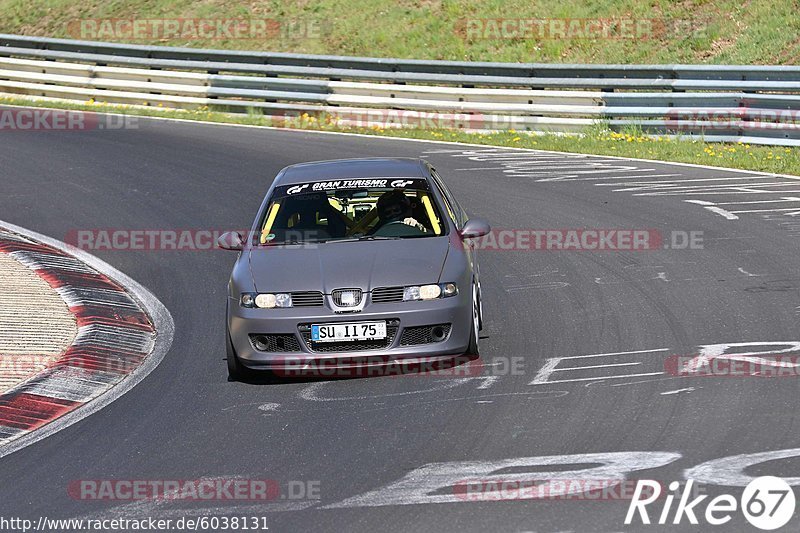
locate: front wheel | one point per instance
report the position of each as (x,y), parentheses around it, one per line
(473,350)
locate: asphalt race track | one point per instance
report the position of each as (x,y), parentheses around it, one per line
(356,439)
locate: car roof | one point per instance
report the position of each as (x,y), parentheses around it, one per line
(375,167)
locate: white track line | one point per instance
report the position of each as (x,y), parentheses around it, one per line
(598,378)
(612,354)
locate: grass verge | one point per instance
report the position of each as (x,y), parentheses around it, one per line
(591,31)
(597,140)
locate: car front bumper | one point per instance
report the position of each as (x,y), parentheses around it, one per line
(244,322)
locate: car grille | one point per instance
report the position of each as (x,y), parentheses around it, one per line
(337,297)
(423,335)
(275,342)
(307,299)
(383,295)
(347,346)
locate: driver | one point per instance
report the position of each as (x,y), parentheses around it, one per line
(394,206)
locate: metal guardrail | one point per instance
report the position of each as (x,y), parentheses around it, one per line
(756,104)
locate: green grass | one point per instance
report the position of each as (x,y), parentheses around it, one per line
(702,31)
(596,140)
(709,31)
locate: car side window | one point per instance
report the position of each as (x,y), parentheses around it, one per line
(457,212)
(450,211)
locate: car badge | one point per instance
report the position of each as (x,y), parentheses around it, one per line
(348,298)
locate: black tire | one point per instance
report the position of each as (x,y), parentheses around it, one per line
(236,370)
(473,350)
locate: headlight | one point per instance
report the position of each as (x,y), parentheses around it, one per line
(429,292)
(266,300)
(283,300)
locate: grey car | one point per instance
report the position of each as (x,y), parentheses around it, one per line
(354,264)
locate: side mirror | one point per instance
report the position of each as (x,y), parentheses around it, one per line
(230,240)
(475,227)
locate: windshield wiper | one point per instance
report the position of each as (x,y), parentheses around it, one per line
(366,238)
(293,242)
(323,241)
(378,238)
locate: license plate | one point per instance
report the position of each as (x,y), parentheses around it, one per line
(359,331)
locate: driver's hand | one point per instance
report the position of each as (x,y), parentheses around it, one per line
(411,221)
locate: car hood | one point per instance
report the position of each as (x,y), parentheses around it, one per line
(336,265)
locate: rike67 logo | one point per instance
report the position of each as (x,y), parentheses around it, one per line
(767,503)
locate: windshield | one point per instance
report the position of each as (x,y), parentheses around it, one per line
(351,209)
